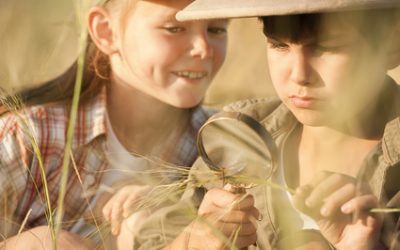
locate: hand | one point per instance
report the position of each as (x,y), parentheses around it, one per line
(129,229)
(341,208)
(122,204)
(224,215)
(39,238)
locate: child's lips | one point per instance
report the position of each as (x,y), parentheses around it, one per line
(305,102)
(192,75)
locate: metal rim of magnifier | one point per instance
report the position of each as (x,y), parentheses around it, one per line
(264,135)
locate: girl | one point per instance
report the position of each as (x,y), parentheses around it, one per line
(146,75)
(336,124)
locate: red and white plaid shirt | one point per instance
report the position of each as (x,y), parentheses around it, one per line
(21,186)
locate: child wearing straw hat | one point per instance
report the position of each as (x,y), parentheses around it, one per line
(336,124)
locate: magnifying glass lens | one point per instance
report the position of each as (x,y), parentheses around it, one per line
(237,149)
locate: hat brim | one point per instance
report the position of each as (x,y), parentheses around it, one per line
(216,9)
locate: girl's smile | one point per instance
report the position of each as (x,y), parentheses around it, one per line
(171,61)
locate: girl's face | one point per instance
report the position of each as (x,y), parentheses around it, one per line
(327,80)
(166,59)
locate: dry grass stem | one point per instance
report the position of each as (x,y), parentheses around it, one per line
(24,221)
(14,104)
(73,116)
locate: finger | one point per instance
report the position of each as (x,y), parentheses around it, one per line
(244,241)
(221,197)
(320,177)
(300,196)
(360,203)
(335,200)
(135,196)
(326,187)
(240,229)
(116,218)
(237,216)
(216,199)
(131,205)
(360,207)
(117,199)
(303,191)
(107,209)
(254,215)
(243,202)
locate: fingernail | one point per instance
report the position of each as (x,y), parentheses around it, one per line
(298,191)
(305,188)
(260,217)
(345,208)
(324,212)
(114,230)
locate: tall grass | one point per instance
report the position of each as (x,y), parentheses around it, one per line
(81,6)
(14,104)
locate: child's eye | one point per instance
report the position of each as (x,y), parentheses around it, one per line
(217,30)
(332,45)
(277,45)
(174,29)
(318,48)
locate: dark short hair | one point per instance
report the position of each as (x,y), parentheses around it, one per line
(371,23)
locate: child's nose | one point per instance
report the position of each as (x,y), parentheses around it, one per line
(301,69)
(201,46)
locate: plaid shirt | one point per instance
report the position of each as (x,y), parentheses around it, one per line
(21,185)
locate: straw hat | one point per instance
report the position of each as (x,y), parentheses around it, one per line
(209,9)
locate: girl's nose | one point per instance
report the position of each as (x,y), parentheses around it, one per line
(201,46)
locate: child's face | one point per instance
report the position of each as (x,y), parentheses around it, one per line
(169,60)
(329,79)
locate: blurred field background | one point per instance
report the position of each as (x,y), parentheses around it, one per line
(38,40)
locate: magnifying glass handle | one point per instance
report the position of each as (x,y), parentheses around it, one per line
(234,189)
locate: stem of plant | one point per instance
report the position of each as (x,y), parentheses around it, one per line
(71,125)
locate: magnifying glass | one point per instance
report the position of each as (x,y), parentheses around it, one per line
(243,152)
(239,148)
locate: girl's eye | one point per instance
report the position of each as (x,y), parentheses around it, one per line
(217,30)
(174,29)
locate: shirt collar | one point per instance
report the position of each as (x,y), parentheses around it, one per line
(391,137)
(91,118)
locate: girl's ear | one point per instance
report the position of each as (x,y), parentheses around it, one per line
(394,48)
(101,30)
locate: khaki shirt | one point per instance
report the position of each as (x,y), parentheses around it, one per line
(381,169)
